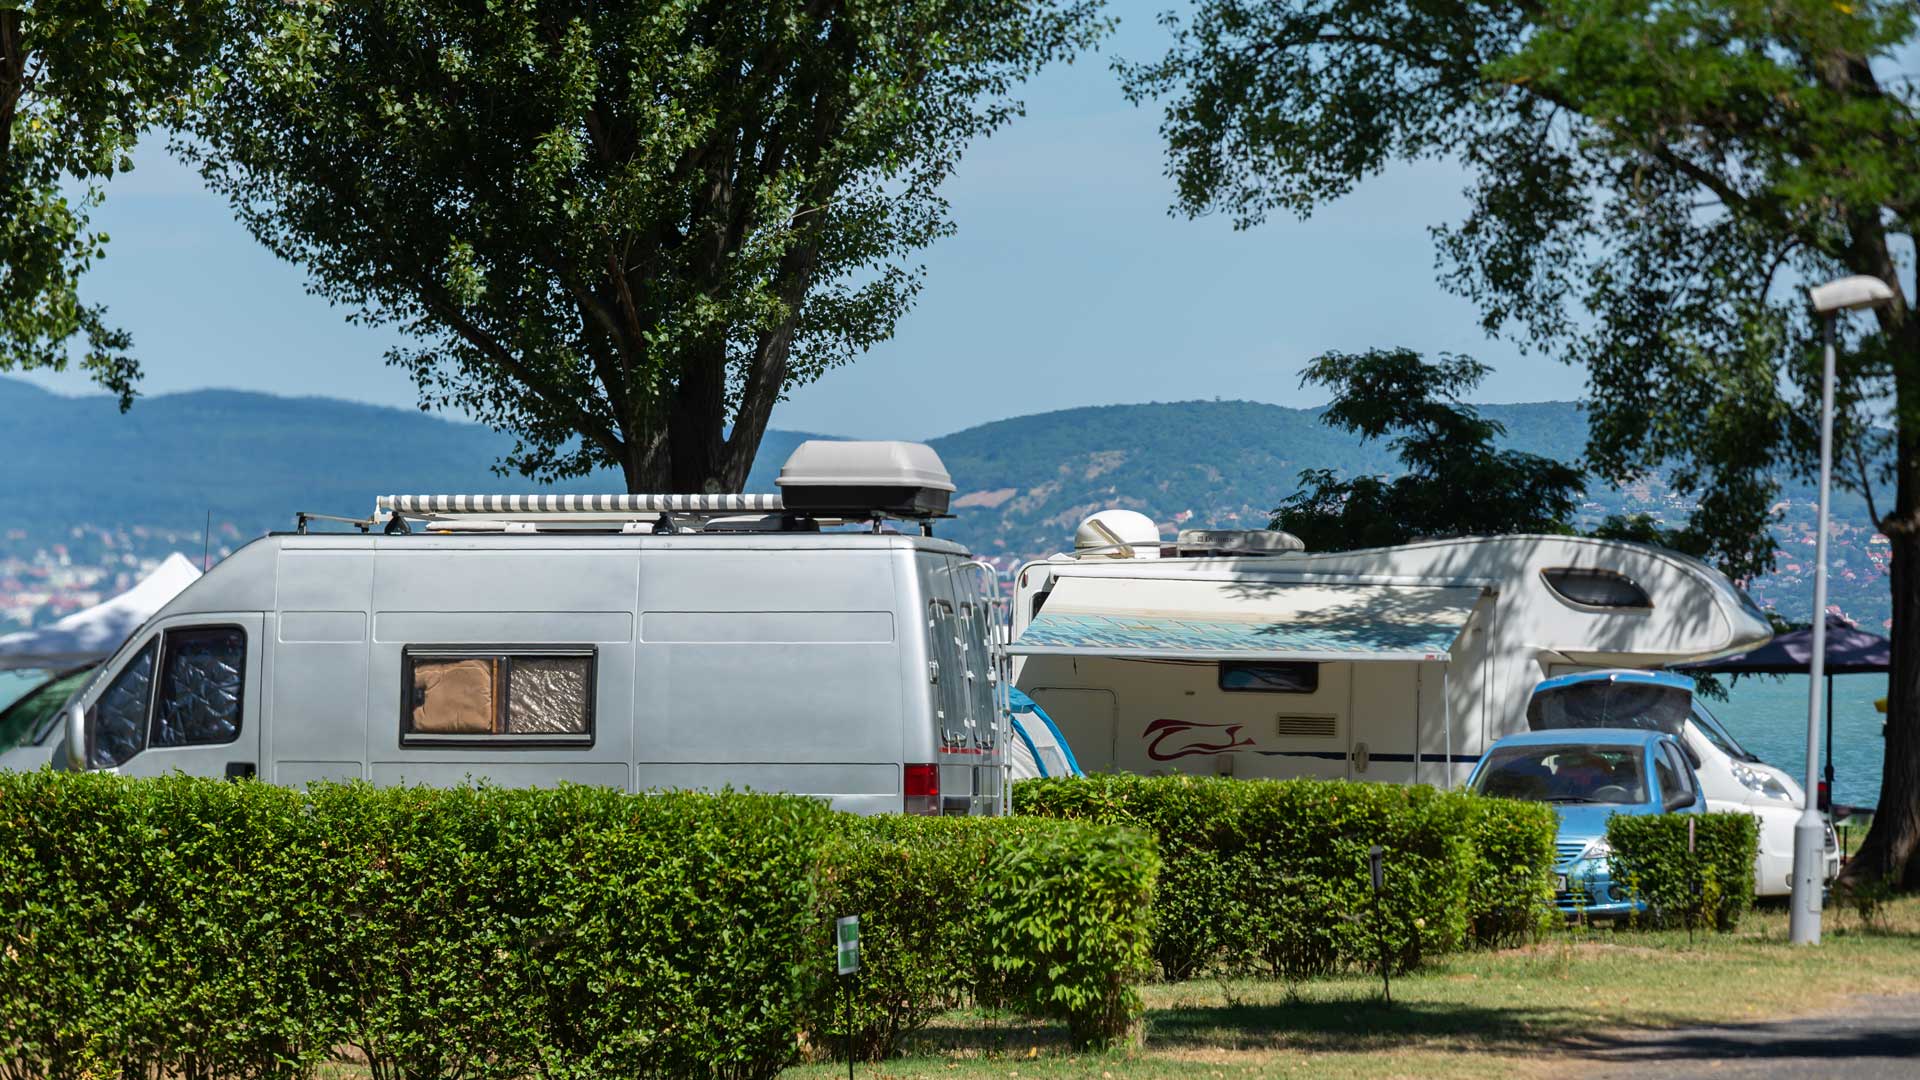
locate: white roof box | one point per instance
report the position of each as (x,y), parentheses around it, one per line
(865,479)
(1237,542)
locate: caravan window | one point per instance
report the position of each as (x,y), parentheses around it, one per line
(1597,589)
(1274,677)
(117,723)
(507,697)
(200,688)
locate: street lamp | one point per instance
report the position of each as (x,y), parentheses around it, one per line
(1809,840)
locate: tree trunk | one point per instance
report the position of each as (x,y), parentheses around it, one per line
(1888,851)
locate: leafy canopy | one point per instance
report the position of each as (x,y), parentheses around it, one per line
(1648,181)
(80,81)
(1644,180)
(1457,481)
(620,232)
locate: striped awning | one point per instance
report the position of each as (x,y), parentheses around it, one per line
(1188,619)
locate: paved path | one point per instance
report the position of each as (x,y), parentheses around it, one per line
(1874,1038)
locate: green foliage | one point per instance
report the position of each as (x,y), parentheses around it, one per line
(80,82)
(1044,916)
(1510,881)
(622,231)
(1457,481)
(1649,180)
(1711,886)
(1272,875)
(202,928)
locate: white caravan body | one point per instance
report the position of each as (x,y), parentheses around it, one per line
(1393,664)
(762,654)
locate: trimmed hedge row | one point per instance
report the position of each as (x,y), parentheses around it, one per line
(1712,885)
(1273,875)
(1050,918)
(202,928)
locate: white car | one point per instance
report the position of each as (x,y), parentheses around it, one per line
(1732,779)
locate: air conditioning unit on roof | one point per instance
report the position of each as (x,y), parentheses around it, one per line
(865,480)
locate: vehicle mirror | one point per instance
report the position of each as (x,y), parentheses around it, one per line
(76,742)
(1678,800)
(1693,756)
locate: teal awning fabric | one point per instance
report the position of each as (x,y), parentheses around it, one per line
(1186,619)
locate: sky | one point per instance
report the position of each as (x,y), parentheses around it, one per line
(1067,284)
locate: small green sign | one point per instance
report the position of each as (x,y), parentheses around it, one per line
(846,937)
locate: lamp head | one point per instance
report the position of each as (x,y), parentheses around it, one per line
(1849,294)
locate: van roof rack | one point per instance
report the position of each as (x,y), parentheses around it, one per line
(824,482)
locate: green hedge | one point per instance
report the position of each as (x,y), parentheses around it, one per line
(200,928)
(1043,916)
(1712,885)
(1272,875)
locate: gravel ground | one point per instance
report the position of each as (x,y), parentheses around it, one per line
(1874,1038)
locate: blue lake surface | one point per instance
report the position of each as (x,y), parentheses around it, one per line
(1767,714)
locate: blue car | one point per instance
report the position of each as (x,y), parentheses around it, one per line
(1589,775)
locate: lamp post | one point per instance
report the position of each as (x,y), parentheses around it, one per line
(1803,921)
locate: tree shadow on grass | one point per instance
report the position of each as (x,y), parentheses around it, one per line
(1356,1025)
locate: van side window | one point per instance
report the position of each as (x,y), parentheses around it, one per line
(200,687)
(1271,677)
(117,723)
(509,697)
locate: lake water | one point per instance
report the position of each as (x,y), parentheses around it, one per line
(1767,714)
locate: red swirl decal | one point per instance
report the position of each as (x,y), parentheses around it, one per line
(1160,731)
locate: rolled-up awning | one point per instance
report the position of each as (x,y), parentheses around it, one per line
(1189,619)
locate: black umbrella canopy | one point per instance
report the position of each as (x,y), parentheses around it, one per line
(1850,651)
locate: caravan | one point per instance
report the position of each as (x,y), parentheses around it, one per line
(631,641)
(1238,654)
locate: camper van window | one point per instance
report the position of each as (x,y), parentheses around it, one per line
(1597,589)
(508,698)
(200,687)
(117,723)
(1273,677)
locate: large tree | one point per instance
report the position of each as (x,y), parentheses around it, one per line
(621,231)
(1457,480)
(80,81)
(1650,181)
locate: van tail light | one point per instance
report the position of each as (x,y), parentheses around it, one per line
(1824,796)
(923,789)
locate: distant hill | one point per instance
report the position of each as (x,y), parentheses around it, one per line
(81,474)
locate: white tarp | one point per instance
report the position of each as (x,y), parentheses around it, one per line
(93,633)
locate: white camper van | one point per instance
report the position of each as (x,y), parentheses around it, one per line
(1238,654)
(637,642)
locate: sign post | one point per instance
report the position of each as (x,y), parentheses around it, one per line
(846,948)
(1376,858)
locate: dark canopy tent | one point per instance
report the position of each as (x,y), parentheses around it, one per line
(1850,651)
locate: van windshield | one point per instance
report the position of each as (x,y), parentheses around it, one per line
(1565,774)
(1710,727)
(1611,703)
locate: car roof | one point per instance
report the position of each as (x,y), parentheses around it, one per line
(1597,736)
(1625,675)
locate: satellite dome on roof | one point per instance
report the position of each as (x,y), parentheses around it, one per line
(1117,534)
(863,479)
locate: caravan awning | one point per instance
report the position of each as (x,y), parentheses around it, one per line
(1189,619)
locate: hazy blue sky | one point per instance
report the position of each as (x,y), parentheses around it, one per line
(1067,284)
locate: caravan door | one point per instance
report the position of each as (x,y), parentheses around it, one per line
(185,699)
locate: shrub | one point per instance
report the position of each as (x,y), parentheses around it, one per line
(1712,885)
(1273,874)
(1510,884)
(199,928)
(1049,917)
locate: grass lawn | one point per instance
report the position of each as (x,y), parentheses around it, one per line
(1520,1011)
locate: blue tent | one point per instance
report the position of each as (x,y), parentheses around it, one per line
(1040,737)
